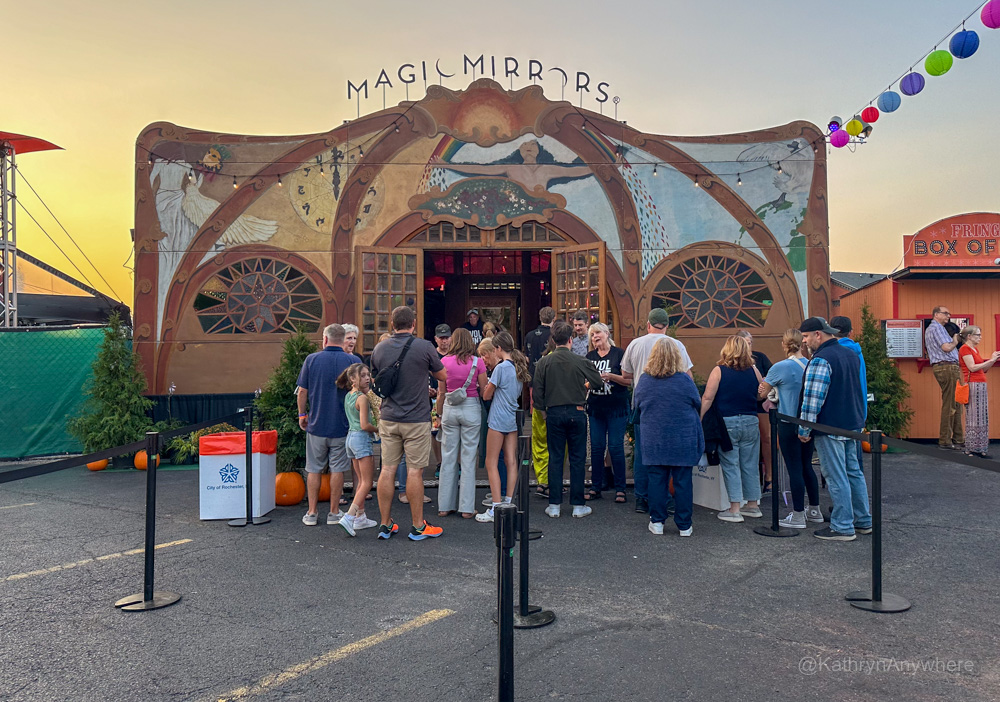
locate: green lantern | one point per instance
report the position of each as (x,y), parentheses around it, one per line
(938,62)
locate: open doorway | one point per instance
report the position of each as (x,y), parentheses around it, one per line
(508,287)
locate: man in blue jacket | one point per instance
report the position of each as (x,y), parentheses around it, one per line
(843,326)
(831,395)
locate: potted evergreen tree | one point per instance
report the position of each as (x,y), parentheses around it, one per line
(888,412)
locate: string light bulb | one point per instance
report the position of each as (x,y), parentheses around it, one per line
(654,171)
(321,171)
(780,171)
(150,158)
(279,181)
(235,185)
(361,151)
(696,183)
(739,180)
(397,128)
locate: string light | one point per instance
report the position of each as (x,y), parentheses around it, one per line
(234,183)
(696,183)
(279,181)
(654,170)
(150,158)
(779,168)
(739,179)
(321,171)
(397,127)
(361,151)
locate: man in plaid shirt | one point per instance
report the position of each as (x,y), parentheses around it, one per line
(831,395)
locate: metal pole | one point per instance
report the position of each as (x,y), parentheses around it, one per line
(149,598)
(774,529)
(505,515)
(250,518)
(876,600)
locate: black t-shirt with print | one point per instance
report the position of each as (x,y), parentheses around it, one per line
(612,396)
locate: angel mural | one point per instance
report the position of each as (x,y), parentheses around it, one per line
(182,209)
(522,166)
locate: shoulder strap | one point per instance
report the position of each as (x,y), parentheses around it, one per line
(399,361)
(472,373)
(800,363)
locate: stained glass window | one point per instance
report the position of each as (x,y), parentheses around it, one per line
(711,292)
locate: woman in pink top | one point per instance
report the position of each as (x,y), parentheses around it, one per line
(461,419)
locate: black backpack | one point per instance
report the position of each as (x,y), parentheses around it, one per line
(386,379)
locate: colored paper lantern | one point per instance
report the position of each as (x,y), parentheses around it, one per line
(870,114)
(911,84)
(938,62)
(889,101)
(854,127)
(991,14)
(839,138)
(964,44)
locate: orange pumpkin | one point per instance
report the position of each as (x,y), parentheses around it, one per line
(324,487)
(140,461)
(289,489)
(98,465)
(867,447)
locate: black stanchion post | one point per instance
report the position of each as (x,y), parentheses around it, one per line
(149,598)
(876,600)
(250,519)
(528,616)
(505,517)
(775,529)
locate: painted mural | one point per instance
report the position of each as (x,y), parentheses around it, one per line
(726,231)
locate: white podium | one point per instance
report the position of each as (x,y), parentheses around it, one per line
(222,474)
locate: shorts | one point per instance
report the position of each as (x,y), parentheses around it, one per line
(411,438)
(359,444)
(324,452)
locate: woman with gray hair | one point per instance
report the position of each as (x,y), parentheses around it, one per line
(608,408)
(350,337)
(977,413)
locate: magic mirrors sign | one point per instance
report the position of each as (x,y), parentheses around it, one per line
(500,68)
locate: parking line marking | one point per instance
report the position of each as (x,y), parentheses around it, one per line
(85,561)
(275,679)
(26,504)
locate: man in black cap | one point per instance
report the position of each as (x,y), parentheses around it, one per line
(474,325)
(831,395)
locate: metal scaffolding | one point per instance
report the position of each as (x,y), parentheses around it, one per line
(8,237)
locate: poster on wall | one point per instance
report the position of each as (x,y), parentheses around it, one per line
(904,338)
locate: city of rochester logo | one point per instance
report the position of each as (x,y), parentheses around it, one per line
(229,473)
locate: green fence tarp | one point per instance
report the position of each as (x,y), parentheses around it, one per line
(42,374)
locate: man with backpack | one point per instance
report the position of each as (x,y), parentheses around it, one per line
(403,362)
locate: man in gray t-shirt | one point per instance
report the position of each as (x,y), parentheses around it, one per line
(405,421)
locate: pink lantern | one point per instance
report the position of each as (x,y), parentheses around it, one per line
(991,14)
(870,114)
(839,138)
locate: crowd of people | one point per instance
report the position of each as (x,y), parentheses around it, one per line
(455,403)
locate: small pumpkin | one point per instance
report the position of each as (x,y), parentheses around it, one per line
(140,460)
(289,489)
(867,447)
(324,488)
(98,465)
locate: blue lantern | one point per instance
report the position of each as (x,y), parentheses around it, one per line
(964,44)
(911,84)
(889,101)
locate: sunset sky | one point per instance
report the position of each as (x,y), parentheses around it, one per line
(90,77)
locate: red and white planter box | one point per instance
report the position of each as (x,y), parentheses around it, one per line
(222,474)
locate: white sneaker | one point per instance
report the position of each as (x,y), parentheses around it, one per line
(310,519)
(347,521)
(813,514)
(656,528)
(488,500)
(486,516)
(553,511)
(581,511)
(688,531)
(728,516)
(332,518)
(362,521)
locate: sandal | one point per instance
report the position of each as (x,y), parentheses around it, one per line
(542,491)
(404,499)
(468,515)
(446,513)
(592,495)
(620,498)
(344,501)
(368,496)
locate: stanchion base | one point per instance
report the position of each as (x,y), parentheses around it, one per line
(889,604)
(781,531)
(533,535)
(245,522)
(537,617)
(136,603)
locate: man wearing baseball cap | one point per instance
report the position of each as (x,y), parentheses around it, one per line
(831,395)
(633,366)
(474,325)
(843,326)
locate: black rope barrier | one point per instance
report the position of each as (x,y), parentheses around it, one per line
(75,461)
(149,599)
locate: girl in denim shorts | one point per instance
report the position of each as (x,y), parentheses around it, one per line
(361,430)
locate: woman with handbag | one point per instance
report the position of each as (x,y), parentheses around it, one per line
(783,385)
(732,385)
(977,413)
(461,418)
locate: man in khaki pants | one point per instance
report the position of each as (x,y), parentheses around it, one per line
(942,353)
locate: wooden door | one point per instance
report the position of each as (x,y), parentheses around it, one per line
(579,281)
(387,278)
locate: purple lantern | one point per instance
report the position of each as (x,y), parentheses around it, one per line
(911,84)
(839,138)
(964,44)
(991,14)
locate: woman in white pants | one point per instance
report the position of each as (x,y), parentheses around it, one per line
(458,405)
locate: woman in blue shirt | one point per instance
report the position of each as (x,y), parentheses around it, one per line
(787,376)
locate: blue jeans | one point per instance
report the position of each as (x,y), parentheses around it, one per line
(846,483)
(659,494)
(739,466)
(401,474)
(639,473)
(607,433)
(566,425)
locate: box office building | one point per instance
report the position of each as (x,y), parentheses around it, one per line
(500,200)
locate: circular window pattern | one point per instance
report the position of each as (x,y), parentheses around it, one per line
(712,292)
(258,296)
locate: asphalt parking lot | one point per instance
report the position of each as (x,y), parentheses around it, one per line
(284,611)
